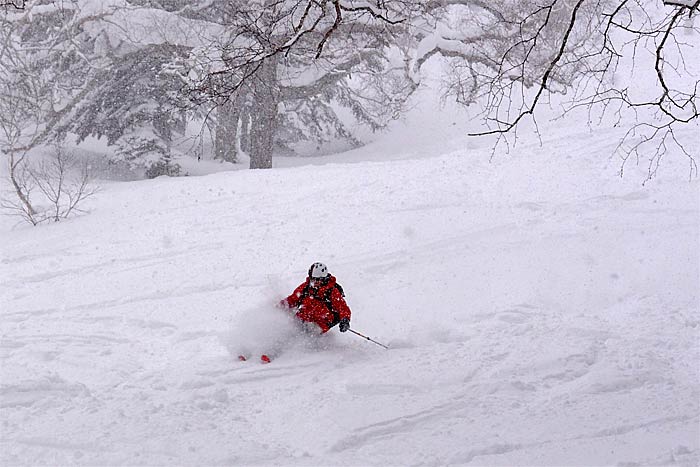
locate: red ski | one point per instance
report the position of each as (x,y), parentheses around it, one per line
(263,358)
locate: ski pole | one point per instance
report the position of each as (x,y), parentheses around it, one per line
(371,340)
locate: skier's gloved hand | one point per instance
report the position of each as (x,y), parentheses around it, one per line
(344,325)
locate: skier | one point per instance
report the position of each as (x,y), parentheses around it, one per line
(319,302)
(320,305)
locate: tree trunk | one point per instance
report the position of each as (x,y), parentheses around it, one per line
(244,134)
(226,132)
(263,125)
(18,187)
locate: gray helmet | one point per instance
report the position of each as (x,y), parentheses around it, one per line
(318,271)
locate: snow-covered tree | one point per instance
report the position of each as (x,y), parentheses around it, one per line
(288,65)
(107,66)
(132,101)
(36,88)
(43,63)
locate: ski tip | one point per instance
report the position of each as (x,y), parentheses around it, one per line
(242,358)
(265,359)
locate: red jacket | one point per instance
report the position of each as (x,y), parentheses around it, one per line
(313,304)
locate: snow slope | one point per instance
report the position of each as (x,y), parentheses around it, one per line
(539,310)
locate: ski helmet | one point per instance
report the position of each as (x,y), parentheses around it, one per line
(318,271)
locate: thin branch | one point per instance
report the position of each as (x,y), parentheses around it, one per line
(544,83)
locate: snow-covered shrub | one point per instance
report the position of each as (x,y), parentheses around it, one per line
(164,166)
(149,154)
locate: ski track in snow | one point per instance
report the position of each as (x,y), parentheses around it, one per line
(544,320)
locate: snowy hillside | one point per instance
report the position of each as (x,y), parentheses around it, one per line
(539,310)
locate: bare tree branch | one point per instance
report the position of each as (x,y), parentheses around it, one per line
(544,83)
(16,4)
(536,50)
